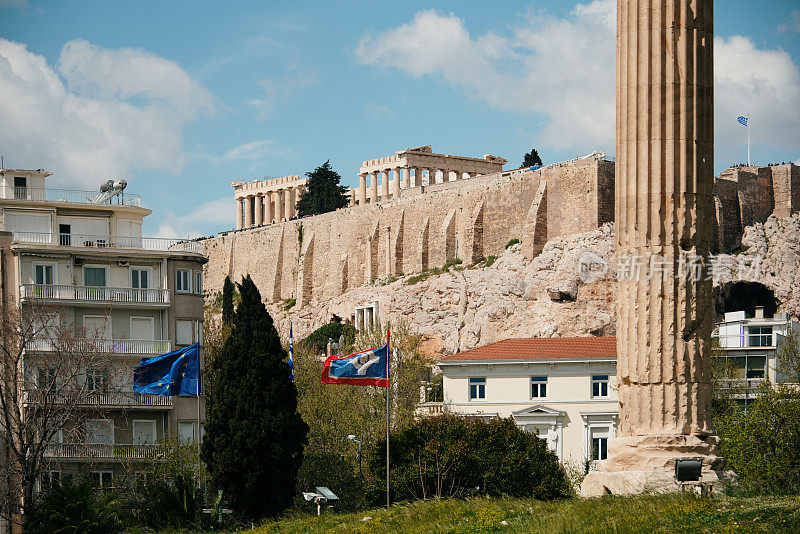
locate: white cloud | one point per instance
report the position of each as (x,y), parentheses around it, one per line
(220,213)
(98,113)
(763,83)
(564,70)
(253,151)
(792,25)
(277,91)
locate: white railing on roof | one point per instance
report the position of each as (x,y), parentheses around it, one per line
(114,346)
(108,241)
(95,398)
(756,340)
(71,196)
(95,294)
(101,450)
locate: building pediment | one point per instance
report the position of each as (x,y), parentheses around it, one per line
(537,410)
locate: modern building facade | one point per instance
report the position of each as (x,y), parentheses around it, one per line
(83,253)
(562,389)
(750,347)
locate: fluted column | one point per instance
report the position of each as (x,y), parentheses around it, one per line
(248,211)
(396,184)
(373,187)
(239,213)
(276,206)
(362,189)
(287,204)
(269,210)
(257,212)
(385,184)
(405,184)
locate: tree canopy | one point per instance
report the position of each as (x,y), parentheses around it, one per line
(254,439)
(323,192)
(531,159)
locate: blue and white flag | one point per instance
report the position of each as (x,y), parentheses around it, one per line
(743,120)
(366,368)
(174,373)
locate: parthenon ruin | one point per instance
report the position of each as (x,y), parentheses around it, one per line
(427,168)
(261,202)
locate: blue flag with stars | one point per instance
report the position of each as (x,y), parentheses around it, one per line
(174,373)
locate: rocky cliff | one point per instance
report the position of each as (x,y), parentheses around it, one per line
(567,290)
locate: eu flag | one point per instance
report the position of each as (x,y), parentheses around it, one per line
(174,373)
(367,368)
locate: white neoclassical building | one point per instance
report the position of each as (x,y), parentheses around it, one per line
(563,389)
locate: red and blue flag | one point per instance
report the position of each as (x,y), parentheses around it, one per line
(367,368)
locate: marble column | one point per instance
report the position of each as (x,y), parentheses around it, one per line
(362,189)
(276,206)
(257,214)
(287,201)
(248,211)
(239,213)
(396,184)
(385,184)
(406,182)
(373,187)
(269,208)
(664,216)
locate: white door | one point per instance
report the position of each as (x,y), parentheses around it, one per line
(142,328)
(144,432)
(100,431)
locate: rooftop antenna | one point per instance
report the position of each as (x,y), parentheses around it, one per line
(2,165)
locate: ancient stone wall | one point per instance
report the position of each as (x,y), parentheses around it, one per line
(323,256)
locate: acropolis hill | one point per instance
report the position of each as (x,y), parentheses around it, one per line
(430,222)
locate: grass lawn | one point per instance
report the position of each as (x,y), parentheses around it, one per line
(609,514)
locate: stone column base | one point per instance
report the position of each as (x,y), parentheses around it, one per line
(646,464)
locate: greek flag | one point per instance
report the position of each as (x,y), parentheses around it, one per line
(743,120)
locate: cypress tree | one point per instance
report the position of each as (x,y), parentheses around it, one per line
(323,193)
(227,300)
(254,439)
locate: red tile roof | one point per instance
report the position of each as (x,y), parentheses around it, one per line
(541,348)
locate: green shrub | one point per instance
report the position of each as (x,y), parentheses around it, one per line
(512,243)
(450,456)
(71,507)
(490,260)
(762,444)
(289,304)
(318,339)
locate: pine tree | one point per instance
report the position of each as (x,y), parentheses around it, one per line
(254,439)
(227,300)
(323,192)
(531,159)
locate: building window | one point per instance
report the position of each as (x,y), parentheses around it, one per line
(47,379)
(97,325)
(96,380)
(599,448)
(366,316)
(198,282)
(186,431)
(94,276)
(538,387)
(65,234)
(144,432)
(140,277)
(183,332)
(44,274)
(183,281)
(50,479)
(101,479)
(599,386)
(760,336)
(477,388)
(100,431)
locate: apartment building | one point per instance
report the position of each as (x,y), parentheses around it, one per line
(750,347)
(83,252)
(562,389)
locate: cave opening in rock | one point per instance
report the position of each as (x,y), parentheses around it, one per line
(747,296)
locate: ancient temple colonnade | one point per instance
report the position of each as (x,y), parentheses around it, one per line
(415,167)
(261,202)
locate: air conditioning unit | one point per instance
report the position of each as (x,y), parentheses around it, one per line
(122,263)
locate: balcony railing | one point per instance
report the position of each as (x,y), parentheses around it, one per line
(109,399)
(740,341)
(101,450)
(71,196)
(124,295)
(430,409)
(108,241)
(115,346)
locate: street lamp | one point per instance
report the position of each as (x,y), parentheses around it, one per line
(351,437)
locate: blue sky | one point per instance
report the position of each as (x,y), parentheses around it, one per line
(180,98)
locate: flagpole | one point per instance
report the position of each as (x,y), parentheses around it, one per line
(748,139)
(388,394)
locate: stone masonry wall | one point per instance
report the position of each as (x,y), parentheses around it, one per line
(321,257)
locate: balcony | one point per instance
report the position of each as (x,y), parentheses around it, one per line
(125,296)
(113,346)
(747,341)
(88,451)
(430,409)
(68,196)
(110,242)
(122,400)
